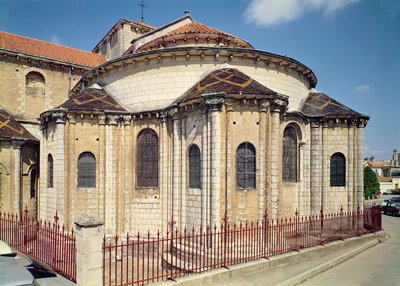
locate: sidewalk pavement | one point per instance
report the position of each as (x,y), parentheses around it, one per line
(286,269)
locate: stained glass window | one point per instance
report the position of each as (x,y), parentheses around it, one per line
(338,170)
(289,155)
(246,166)
(147,159)
(86,170)
(49,171)
(194,167)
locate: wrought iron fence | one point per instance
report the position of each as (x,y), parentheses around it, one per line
(137,259)
(46,241)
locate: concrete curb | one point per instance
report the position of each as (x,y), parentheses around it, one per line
(237,271)
(327,265)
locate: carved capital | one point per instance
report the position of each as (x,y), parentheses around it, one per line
(112,119)
(164,116)
(215,100)
(102,119)
(71,118)
(127,119)
(279,104)
(17,143)
(264,106)
(60,117)
(173,113)
(315,124)
(229,105)
(362,122)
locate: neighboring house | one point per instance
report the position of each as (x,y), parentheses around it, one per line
(187,123)
(387,174)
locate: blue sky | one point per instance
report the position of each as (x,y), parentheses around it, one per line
(352,46)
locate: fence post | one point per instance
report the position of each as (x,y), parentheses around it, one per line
(89,257)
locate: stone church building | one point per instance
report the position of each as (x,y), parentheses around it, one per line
(182,122)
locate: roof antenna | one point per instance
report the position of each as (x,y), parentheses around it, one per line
(141,4)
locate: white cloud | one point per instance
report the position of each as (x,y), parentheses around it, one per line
(273,12)
(363,88)
(55,40)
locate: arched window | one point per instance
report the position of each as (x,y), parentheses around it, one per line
(194,167)
(49,171)
(289,155)
(86,170)
(338,170)
(246,166)
(33,183)
(147,159)
(35,84)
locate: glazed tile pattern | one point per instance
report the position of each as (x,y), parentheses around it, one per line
(10,128)
(92,99)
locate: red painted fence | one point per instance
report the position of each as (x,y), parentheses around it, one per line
(137,259)
(43,240)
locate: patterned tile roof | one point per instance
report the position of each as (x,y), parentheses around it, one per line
(11,128)
(36,47)
(319,104)
(228,80)
(92,99)
(194,31)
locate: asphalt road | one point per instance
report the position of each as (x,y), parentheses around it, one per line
(379,265)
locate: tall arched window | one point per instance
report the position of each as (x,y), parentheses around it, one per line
(49,171)
(246,166)
(35,84)
(147,159)
(338,170)
(33,183)
(194,167)
(289,155)
(86,170)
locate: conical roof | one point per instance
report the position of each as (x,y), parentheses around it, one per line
(10,128)
(92,99)
(319,104)
(227,80)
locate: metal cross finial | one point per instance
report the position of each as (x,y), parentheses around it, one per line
(141,4)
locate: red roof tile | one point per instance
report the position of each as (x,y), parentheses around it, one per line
(379,164)
(49,50)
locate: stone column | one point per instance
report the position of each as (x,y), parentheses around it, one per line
(71,184)
(215,102)
(176,165)
(59,161)
(89,258)
(164,193)
(110,173)
(262,174)
(350,168)
(204,170)
(17,196)
(360,159)
(183,163)
(325,178)
(275,170)
(230,184)
(316,168)
(302,204)
(102,167)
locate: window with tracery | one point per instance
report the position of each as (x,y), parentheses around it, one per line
(49,171)
(338,170)
(35,84)
(147,159)
(246,166)
(289,155)
(194,167)
(86,170)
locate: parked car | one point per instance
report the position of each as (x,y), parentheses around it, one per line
(36,268)
(12,273)
(395,200)
(391,208)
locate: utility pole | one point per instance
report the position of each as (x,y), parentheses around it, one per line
(141,4)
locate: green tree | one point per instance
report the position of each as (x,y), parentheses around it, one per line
(371,183)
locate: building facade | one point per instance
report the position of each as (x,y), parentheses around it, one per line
(188,124)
